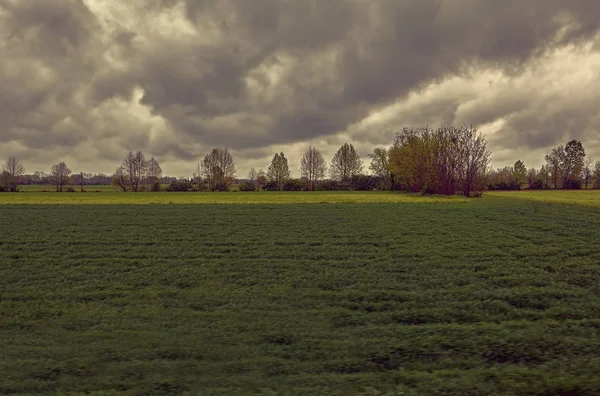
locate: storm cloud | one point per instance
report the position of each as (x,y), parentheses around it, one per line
(87,81)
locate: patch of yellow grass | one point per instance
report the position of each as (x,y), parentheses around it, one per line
(578,197)
(220,198)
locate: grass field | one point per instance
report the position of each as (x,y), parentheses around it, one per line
(325,197)
(499,295)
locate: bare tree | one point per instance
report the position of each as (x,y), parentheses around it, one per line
(587,171)
(475,158)
(596,175)
(554,161)
(153,174)
(120,179)
(60,173)
(11,174)
(218,169)
(132,171)
(279,171)
(345,163)
(252,175)
(312,167)
(261,179)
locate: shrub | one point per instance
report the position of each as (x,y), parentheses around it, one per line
(180,186)
(248,186)
(271,186)
(70,189)
(293,185)
(366,182)
(572,184)
(537,185)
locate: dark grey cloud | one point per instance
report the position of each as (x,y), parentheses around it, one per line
(175,77)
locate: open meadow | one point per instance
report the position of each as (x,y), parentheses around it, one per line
(344,294)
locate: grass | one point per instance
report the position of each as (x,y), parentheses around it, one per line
(262,197)
(497,296)
(579,197)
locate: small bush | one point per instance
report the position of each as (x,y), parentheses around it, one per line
(271,186)
(179,186)
(572,184)
(248,186)
(293,185)
(70,189)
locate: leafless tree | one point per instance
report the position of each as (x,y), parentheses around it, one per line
(153,174)
(218,169)
(252,175)
(554,161)
(380,165)
(60,173)
(11,174)
(587,171)
(120,179)
(345,163)
(261,179)
(312,167)
(134,168)
(475,158)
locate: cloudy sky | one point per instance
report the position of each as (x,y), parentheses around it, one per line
(85,81)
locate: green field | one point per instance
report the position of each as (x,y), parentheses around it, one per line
(381,292)
(318,197)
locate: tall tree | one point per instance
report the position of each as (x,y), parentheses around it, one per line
(11,174)
(596,175)
(261,179)
(252,175)
(475,158)
(380,165)
(573,164)
(132,170)
(278,171)
(554,161)
(312,167)
(345,163)
(153,174)
(519,173)
(218,169)
(60,173)
(587,171)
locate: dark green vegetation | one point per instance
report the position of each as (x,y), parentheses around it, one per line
(493,296)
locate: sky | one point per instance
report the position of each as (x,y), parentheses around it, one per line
(86,81)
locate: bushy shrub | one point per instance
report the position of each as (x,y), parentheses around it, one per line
(70,189)
(512,186)
(537,185)
(248,186)
(179,186)
(572,184)
(271,186)
(293,185)
(365,182)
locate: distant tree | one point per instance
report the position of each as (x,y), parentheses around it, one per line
(279,170)
(12,174)
(587,171)
(132,171)
(60,174)
(252,175)
(261,179)
(573,163)
(519,173)
(120,179)
(312,167)
(153,174)
(474,160)
(544,176)
(380,166)
(596,175)
(554,161)
(218,169)
(345,163)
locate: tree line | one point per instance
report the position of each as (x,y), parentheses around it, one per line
(565,167)
(447,160)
